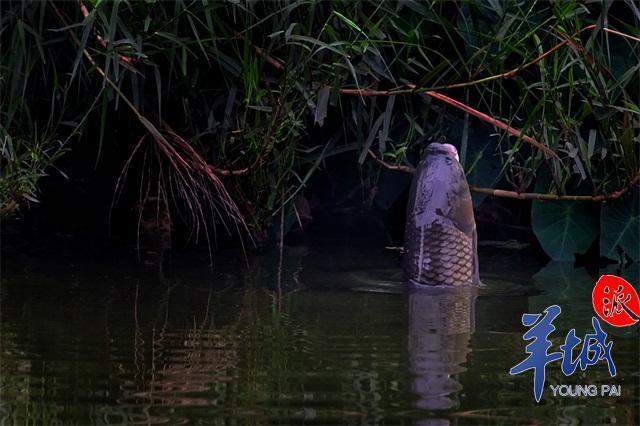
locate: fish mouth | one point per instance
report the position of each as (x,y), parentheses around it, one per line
(443,149)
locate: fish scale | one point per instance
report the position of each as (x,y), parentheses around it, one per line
(446,256)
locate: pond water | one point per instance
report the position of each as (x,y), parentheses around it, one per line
(323,335)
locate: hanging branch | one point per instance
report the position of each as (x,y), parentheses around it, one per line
(524,195)
(410,88)
(187,163)
(466,108)
(514,72)
(147,124)
(507,74)
(497,123)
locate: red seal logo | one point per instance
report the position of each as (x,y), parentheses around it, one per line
(616,301)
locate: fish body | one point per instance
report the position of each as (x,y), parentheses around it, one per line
(440,237)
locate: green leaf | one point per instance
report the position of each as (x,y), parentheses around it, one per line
(564,228)
(620,227)
(349,22)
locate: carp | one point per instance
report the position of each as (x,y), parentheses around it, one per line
(440,236)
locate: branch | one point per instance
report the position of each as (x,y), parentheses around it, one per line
(512,73)
(273,61)
(524,195)
(497,123)
(529,195)
(85,12)
(555,197)
(617,194)
(276,63)
(398,167)
(507,74)
(146,123)
(494,121)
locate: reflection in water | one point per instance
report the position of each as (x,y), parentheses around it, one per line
(311,339)
(183,363)
(441,322)
(220,366)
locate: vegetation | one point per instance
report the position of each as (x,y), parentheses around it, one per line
(227,108)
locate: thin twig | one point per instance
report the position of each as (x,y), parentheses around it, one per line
(525,195)
(555,197)
(494,121)
(95,65)
(506,74)
(398,167)
(497,123)
(617,194)
(512,73)
(618,33)
(85,12)
(189,166)
(276,63)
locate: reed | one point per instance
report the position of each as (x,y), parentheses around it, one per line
(233,106)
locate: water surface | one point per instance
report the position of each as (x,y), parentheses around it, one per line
(322,336)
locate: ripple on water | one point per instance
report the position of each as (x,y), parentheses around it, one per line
(345,347)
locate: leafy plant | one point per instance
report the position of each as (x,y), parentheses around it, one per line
(564,229)
(255,97)
(23,164)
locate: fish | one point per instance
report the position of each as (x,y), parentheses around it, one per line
(441,244)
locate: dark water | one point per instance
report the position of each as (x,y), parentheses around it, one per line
(330,337)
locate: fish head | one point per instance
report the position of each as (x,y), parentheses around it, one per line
(447,149)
